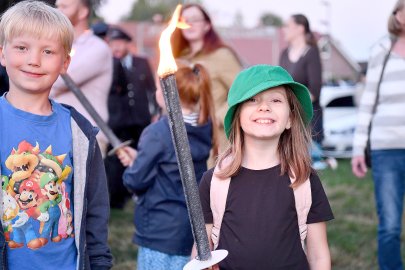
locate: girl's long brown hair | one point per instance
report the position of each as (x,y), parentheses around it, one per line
(194,86)
(293,146)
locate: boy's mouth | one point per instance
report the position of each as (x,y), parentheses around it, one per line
(32,74)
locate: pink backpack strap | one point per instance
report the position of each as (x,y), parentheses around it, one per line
(218,194)
(303,202)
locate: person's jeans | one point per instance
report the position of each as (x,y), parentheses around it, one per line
(388,168)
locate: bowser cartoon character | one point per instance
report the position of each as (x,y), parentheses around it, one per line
(21,163)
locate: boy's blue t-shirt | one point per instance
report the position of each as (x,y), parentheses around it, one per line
(36,170)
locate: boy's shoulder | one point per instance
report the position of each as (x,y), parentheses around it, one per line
(88,129)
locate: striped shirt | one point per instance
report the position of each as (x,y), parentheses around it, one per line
(388,122)
(191,118)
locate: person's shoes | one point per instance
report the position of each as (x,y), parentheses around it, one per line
(319,165)
(332,162)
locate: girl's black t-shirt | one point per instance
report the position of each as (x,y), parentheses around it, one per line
(260,225)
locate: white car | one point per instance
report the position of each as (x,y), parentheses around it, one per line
(339,119)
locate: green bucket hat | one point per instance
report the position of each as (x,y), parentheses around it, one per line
(258,78)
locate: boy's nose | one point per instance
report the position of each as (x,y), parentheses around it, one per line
(34,59)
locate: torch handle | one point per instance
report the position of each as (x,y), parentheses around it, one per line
(186,167)
(112,138)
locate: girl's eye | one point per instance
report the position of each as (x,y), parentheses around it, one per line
(276,100)
(252,99)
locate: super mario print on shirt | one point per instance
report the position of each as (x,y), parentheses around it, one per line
(35,193)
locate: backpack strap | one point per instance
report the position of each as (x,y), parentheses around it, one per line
(219,193)
(303,202)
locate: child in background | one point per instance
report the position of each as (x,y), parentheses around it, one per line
(163,231)
(267,124)
(44,146)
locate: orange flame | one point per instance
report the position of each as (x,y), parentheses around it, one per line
(167,64)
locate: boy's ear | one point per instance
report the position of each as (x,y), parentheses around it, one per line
(65,65)
(2,60)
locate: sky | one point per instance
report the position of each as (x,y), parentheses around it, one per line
(355,24)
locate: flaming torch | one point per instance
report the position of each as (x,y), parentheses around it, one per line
(166,69)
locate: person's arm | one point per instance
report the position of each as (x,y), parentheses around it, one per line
(314,73)
(317,247)
(97,215)
(364,114)
(142,174)
(227,70)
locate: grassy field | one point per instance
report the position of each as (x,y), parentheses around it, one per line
(351,235)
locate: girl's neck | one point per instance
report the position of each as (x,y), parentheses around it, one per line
(196,46)
(296,49)
(260,154)
(298,43)
(399,47)
(38,104)
(189,109)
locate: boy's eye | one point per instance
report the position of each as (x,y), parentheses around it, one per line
(48,52)
(21,48)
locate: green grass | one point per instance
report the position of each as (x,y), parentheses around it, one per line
(351,235)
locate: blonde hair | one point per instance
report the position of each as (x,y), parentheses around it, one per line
(38,19)
(293,146)
(394,27)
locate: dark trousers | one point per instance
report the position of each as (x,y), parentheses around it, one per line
(119,195)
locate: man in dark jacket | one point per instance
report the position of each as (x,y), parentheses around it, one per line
(131,103)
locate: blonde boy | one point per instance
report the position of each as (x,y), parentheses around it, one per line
(50,162)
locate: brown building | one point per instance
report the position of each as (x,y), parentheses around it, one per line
(261,45)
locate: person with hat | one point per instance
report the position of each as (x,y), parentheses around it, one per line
(131,103)
(267,163)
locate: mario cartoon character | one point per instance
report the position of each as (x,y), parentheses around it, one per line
(49,189)
(28,199)
(10,211)
(21,163)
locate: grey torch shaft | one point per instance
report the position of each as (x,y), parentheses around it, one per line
(112,138)
(186,167)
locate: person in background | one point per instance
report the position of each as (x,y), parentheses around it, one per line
(163,231)
(387,136)
(131,102)
(100,29)
(3,80)
(90,68)
(302,60)
(201,44)
(50,161)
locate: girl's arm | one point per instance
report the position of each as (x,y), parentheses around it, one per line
(317,247)
(208,227)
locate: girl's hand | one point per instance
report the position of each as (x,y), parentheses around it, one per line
(359,167)
(127,155)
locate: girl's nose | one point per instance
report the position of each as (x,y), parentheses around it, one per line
(264,106)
